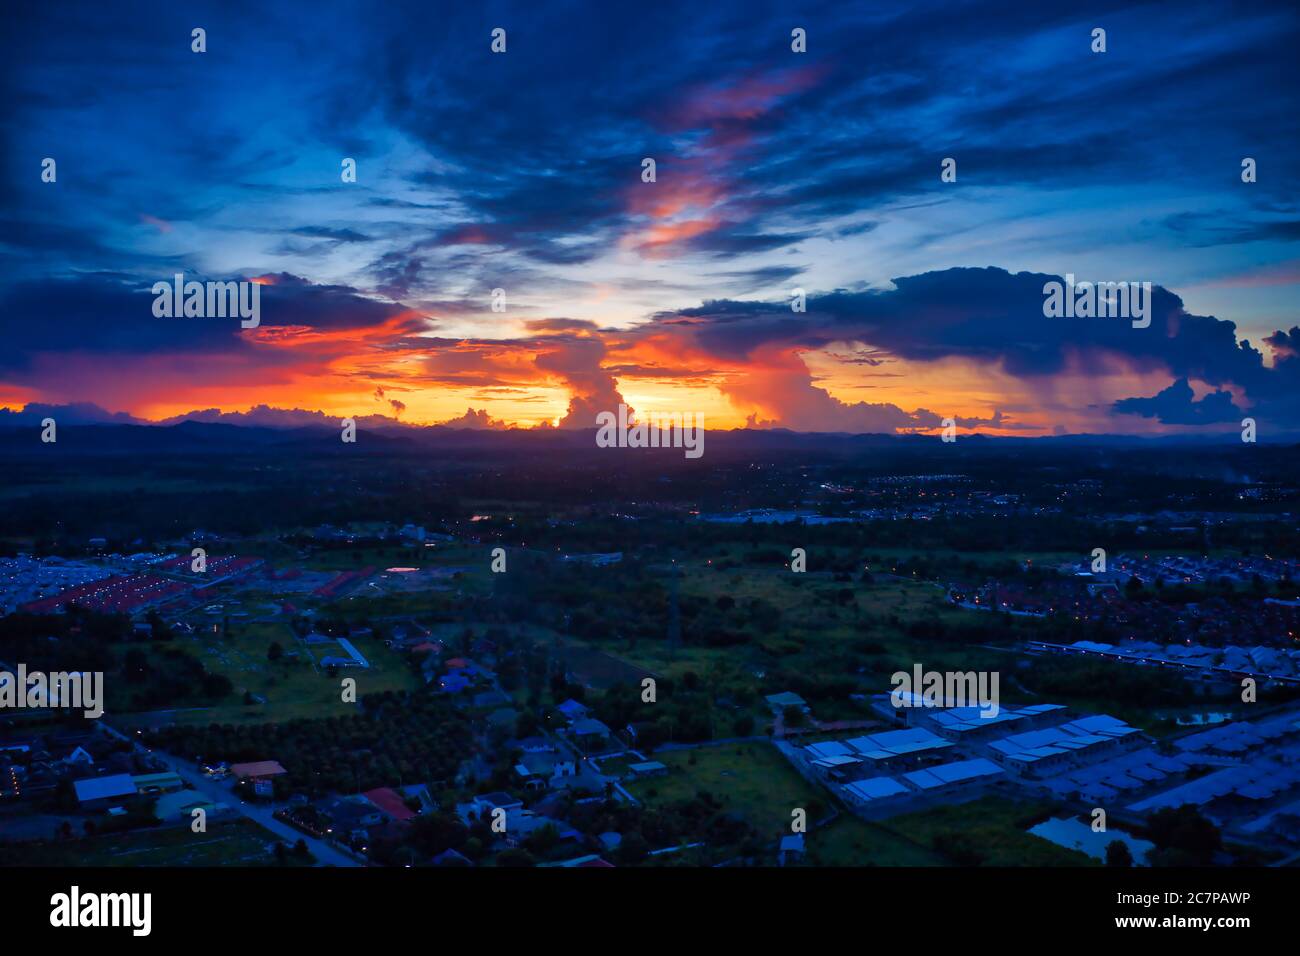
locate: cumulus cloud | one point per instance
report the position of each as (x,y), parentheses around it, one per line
(1175,405)
(577,361)
(74,413)
(755,353)
(474,418)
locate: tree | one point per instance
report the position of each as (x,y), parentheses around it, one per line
(961,848)
(516,856)
(1118,854)
(1183,836)
(633,850)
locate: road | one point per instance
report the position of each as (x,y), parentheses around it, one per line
(261,814)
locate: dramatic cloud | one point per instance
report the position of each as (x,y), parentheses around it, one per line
(773,169)
(473,418)
(1176,406)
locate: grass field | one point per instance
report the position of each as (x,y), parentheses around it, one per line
(994,826)
(848,841)
(293,686)
(751,779)
(233,843)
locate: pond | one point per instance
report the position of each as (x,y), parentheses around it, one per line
(1201,720)
(1074,834)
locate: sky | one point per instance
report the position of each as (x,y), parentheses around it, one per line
(775,171)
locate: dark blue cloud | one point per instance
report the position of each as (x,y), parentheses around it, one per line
(1176,405)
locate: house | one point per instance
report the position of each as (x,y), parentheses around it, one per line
(98,793)
(258,770)
(538,770)
(530,779)
(80,756)
(779,702)
(647,768)
(451,858)
(391,803)
(490,698)
(452,683)
(589,727)
(419,792)
(521,824)
(352,818)
(572,710)
(483,804)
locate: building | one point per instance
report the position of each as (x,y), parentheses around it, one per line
(483,804)
(572,710)
(391,803)
(352,819)
(647,768)
(967,724)
(181,804)
(590,734)
(875,793)
(259,770)
(1042,753)
(167,782)
(779,702)
(896,748)
(947,778)
(542,769)
(98,793)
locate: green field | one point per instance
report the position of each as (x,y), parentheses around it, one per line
(233,843)
(293,686)
(752,780)
(995,828)
(849,841)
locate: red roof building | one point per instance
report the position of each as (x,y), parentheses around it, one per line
(390,801)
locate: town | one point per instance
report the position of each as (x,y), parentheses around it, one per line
(384,692)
